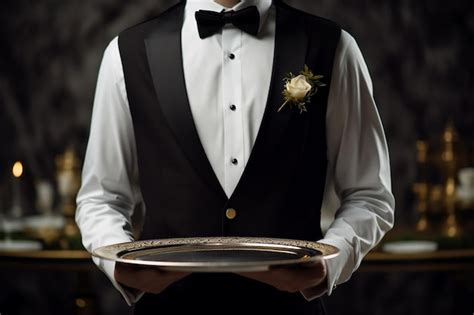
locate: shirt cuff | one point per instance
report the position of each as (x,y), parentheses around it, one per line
(336,265)
(317,291)
(108,267)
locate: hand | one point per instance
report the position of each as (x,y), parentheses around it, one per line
(144,278)
(290,279)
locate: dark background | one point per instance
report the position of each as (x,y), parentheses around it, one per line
(420,55)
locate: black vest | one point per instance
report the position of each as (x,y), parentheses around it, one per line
(280,192)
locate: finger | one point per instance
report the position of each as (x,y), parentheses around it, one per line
(172,276)
(133,275)
(129,275)
(258,275)
(302,277)
(151,280)
(305,278)
(312,270)
(310,264)
(289,278)
(130,268)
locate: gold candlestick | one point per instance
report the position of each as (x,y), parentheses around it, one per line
(421,187)
(448,159)
(69,181)
(421,192)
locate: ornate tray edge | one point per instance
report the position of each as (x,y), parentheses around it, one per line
(112,252)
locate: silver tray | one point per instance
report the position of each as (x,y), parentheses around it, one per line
(217,254)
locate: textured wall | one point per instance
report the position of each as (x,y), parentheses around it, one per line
(418,53)
(49,62)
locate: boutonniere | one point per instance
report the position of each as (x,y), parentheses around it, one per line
(299,89)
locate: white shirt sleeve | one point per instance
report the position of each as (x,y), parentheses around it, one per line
(110,191)
(358,161)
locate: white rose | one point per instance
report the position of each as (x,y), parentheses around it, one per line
(298,87)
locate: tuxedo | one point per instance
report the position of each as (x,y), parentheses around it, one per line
(281,189)
(152,143)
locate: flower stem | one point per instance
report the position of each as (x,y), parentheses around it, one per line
(279,109)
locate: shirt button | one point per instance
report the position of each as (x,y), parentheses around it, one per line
(233,107)
(234,161)
(231,213)
(231,56)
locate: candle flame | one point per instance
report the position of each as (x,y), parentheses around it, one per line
(17,169)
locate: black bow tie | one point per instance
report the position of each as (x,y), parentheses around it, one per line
(210,22)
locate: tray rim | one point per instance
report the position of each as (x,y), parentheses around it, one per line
(113,252)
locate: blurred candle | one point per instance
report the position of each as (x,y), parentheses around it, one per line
(17,171)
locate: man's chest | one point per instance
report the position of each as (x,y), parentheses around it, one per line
(227,79)
(167,102)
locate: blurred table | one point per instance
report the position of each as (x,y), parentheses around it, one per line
(375,261)
(440,260)
(47,259)
(79,262)
(76,262)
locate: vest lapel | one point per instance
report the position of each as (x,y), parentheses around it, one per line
(164,54)
(291,46)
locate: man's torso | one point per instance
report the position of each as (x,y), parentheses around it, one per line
(280,191)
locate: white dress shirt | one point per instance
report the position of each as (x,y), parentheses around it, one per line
(357,150)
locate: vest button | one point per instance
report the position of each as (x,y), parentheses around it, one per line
(231,213)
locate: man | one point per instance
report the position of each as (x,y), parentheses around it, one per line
(188,121)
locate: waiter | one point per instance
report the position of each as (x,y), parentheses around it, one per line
(224,118)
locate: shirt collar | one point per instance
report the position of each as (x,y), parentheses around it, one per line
(263,7)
